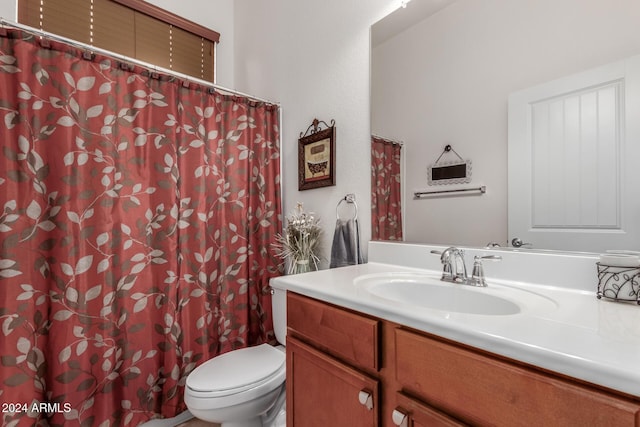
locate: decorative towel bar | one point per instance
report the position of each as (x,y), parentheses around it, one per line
(418,194)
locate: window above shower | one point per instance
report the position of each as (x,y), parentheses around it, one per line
(134,29)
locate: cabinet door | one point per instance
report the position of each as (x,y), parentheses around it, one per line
(322,392)
(413,413)
(484,390)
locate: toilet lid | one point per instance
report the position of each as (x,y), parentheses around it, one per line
(237,369)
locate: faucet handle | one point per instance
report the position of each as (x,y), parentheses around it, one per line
(477,274)
(445,259)
(445,255)
(491,257)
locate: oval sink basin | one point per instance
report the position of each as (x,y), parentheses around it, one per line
(425,291)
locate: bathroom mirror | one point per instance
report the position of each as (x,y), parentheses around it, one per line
(442,73)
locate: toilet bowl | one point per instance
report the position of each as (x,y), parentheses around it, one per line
(245,387)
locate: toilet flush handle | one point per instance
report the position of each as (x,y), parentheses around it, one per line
(366,399)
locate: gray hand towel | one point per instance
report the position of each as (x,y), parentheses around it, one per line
(345,249)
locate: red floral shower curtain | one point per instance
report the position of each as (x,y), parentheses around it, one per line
(135,231)
(386,192)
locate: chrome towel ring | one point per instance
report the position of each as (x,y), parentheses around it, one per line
(350,199)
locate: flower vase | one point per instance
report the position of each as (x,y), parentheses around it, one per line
(301,266)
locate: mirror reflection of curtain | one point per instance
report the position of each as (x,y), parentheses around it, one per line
(386,177)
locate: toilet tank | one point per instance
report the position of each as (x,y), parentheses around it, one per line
(279,313)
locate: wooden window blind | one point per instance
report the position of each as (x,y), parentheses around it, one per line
(131,28)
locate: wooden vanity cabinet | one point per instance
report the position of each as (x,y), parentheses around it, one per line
(332,361)
(484,389)
(336,357)
(347,335)
(322,391)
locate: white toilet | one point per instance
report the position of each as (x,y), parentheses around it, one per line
(245,387)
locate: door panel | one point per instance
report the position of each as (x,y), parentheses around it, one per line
(574,146)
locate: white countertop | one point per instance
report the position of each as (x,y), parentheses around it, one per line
(593,340)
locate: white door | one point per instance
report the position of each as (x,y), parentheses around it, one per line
(574,161)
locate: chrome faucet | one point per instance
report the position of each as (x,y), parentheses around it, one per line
(454,269)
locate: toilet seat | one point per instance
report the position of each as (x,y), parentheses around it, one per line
(237,376)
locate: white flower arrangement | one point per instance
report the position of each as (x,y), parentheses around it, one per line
(300,244)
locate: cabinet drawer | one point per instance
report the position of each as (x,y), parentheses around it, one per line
(421,415)
(483,390)
(347,335)
(322,391)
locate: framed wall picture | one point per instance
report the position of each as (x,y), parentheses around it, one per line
(449,173)
(456,171)
(316,156)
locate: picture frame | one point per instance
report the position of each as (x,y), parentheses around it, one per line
(456,172)
(316,156)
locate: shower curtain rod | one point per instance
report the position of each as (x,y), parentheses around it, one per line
(391,141)
(6,23)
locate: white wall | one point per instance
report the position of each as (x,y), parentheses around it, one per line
(313,57)
(446,81)
(9,10)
